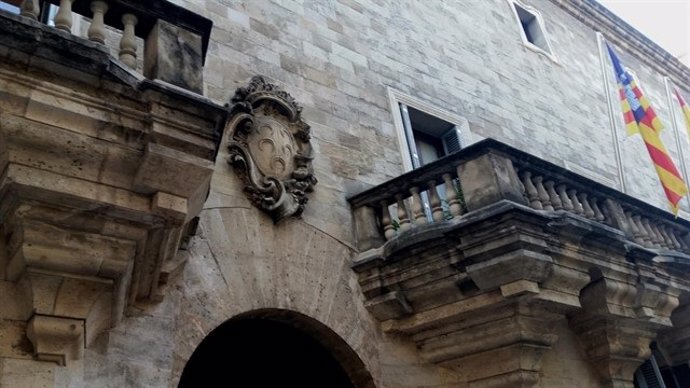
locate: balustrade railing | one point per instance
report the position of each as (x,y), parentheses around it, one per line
(428,195)
(174,40)
(490,171)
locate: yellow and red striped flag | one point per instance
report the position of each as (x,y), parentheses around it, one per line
(685,109)
(641,118)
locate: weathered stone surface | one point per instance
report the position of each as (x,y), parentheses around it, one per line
(56,339)
(337,59)
(489,179)
(82,237)
(174,55)
(270,148)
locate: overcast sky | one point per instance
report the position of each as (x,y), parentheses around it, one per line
(666,22)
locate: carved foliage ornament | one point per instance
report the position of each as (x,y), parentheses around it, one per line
(270,149)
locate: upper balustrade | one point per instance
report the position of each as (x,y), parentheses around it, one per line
(490,171)
(172,39)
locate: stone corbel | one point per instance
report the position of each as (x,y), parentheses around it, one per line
(618,321)
(675,342)
(56,339)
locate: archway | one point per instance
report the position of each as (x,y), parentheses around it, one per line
(274,348)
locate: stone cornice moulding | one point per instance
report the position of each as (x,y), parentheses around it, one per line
(626,37)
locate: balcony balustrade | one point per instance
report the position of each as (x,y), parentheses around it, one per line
(174,40)
(102,169)
(514,252)
(538,184)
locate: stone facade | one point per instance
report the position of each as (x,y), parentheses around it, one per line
(128,237)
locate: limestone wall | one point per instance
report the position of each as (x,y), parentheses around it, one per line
(467,57)
(337,58)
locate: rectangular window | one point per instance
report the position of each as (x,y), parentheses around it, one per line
(429,138)
(9,7)
(426,134)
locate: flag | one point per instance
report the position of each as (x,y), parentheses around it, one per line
(640,118)
(685,109)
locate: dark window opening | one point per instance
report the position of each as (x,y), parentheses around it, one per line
(532,28)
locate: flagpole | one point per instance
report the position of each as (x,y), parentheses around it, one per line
(612,117)
(676,133)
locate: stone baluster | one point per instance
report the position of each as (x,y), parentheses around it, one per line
(403,218)
(598,214)
(542,193)
(522,185)
(553,196)
(96,31)
(128,44)
(672,234)
(638,236)
(586,209)
(565,200)
(653,241)
(30,9)
(63,18)
(656,236)
(417,207)
(388,229)
(531,190)
(644,234)
(577,206)
(452,196)
(667,240)
(435,202)
(680,237)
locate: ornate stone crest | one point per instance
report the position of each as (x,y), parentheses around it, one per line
(270,149)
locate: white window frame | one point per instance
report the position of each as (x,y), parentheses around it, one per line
(396,97)
(542,26)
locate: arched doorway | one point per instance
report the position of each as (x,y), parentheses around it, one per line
(274,348)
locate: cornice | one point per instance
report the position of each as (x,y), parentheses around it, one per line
(627,38)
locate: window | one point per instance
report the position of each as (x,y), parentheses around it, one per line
(12,7)
(425,132)
(531,28)
(47,12)
(429,138)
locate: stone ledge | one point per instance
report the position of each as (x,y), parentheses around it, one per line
(494,283)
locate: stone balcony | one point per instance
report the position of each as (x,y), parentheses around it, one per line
(103,169)
(508,247)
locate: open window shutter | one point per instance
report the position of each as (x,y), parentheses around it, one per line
(648,375)
(451,140)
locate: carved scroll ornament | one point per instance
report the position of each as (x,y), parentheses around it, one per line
(270,149)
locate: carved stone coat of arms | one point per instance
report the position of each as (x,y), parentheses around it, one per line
(270,148)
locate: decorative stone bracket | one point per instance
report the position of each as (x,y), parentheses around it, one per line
(482,289)
(99,183)
(270,148)
(56,339)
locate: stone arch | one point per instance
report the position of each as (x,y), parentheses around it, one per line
(323,357)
